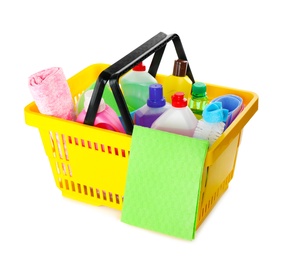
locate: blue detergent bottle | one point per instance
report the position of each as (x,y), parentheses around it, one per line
(156,105)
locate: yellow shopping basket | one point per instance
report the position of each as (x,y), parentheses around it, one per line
(89,164)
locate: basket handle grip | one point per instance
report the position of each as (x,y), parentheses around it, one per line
(112,74)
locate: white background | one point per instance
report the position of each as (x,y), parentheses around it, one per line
(240,44)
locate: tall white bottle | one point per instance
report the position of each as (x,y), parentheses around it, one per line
(178,119)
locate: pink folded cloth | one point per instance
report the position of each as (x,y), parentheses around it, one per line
(51,93)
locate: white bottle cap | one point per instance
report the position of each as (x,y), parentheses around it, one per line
(88,96)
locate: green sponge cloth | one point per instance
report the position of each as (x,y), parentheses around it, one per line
(163,182)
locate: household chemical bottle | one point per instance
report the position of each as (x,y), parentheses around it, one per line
(178,119)
(107,95)
(135,85)
(198,99)
(106,117)
(178,81)
(156,106)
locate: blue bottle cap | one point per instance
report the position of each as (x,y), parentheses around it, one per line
(156,98)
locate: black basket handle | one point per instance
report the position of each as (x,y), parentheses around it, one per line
(112,74)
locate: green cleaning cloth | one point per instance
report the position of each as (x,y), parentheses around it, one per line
(163,182)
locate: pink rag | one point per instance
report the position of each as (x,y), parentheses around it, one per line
(51,93)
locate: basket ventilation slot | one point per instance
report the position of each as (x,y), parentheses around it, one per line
(89,191)
(210,203)
(98,147)
(58,145)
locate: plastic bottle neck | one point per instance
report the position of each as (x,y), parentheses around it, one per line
(198,95)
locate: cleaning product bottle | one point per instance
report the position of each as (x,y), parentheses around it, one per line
(107,95)
(178,119)
(156,106)
(198,99)
(135,85)
(106,117)
(178,81)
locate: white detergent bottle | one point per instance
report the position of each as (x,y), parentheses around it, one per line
(178,119)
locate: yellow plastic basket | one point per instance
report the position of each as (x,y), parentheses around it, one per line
(89,164)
